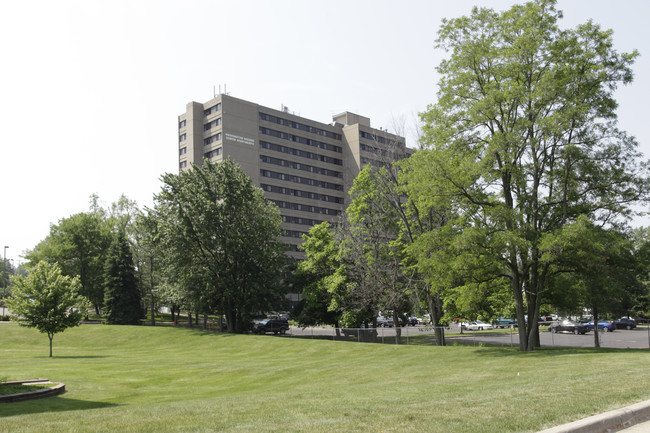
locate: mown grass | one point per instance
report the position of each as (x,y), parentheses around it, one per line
(154,379)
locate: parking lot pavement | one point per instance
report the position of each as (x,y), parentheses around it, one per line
(638,338)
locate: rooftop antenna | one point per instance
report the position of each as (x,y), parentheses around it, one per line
(214,90)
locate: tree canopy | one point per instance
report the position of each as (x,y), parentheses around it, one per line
(122,299)
(78,244)
(523,140)
(222,240)
(47,300)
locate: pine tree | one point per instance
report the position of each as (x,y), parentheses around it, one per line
(122,301)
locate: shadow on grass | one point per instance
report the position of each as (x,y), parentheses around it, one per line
(50,404)
(72,357)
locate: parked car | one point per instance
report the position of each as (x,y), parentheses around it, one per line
(505,323)
(603,325)
(385,322)
(641,320)
(546,320)
(271,325)
(476,325)
(412,321)
(624,323)
(568,326)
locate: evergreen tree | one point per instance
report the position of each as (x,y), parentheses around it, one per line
(122,301)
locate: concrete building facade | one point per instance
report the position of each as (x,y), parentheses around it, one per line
(304,166)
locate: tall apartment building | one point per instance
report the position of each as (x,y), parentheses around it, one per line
(304,166)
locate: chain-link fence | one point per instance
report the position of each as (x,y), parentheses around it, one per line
(638,338)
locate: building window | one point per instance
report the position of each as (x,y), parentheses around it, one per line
(300,126)
(306,208)
(298,166)
(293,233)
(210,125)
(299,139)
(212,138)
(182,124)
(300,220)
(301,193)
(183,164)
(302,153)
(301,180)
(212,109)
(182,151)
(212,153)
(182,137)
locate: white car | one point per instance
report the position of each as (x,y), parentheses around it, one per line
(477,325)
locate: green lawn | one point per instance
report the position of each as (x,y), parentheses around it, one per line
(165,379)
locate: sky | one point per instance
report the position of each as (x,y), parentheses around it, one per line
(90,90)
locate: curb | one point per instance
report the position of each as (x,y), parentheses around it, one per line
(58,388)
(606,422)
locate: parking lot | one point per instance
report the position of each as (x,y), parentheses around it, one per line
(638,338)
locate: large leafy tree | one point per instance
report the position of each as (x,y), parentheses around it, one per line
(47,300)
(78,245)
(221,237)
(523,139)
(122,300)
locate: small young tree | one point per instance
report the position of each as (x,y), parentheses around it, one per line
(47,300)
(122,301)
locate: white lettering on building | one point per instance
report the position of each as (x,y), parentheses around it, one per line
(240,139)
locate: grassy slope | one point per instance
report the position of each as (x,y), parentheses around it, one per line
(135,379)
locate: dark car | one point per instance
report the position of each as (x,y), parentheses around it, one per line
(412,321)
(271,325)
(624,323)
(568,326)
(386,322)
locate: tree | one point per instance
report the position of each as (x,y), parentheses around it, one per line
(601,264)
(122,301)
(78,245)
(377,219)
(320,262)
(640,301)
(221,239)
(524,136)
(47,300)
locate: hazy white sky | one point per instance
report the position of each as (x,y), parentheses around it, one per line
(90,90)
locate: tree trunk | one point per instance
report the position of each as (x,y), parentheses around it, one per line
(398,329)
(151,287)
(51,337)
(189,319)
(434,313)
(205,322)
(596,339)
